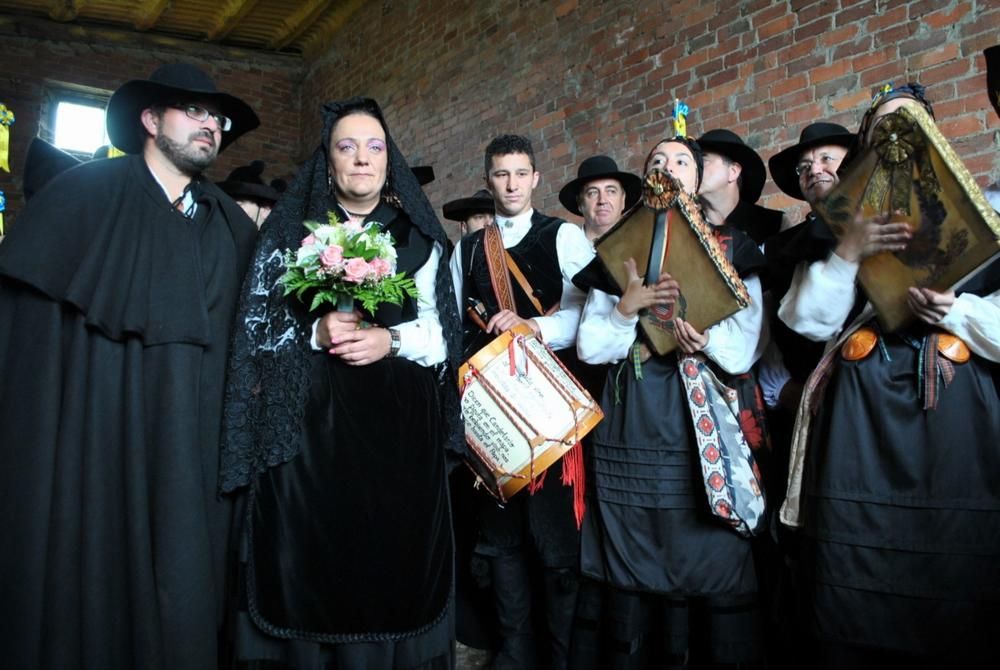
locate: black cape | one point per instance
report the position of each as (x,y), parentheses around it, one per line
(114,324)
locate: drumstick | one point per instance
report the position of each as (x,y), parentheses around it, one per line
(477,312)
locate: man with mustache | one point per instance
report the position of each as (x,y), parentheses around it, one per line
(118,285)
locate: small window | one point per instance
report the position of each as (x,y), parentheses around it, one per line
(73,118)
(79,127)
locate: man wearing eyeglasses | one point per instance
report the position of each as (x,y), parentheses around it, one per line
(118,285)
(805,171)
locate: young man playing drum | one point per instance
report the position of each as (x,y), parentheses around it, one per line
(534,531)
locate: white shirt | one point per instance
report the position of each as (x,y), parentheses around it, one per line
(606,336)
(420,340)
(188,206)
(574,252)
(822,294)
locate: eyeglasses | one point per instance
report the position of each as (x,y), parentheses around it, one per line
(826,160)
(199,113)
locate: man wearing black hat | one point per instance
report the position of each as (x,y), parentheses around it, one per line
(600,194)
(805,171)
(117,289)
(732,183)
(472,214)
(246,186)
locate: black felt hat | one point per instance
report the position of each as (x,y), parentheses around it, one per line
(729,144)
(599,167)
(481,202)
(43,162)
(993,76)
(171,83)
(246,183)
(782,164)
(423,173)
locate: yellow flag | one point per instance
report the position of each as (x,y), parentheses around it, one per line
(6,121)
(4,147)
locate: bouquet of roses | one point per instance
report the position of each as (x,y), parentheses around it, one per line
(340,262)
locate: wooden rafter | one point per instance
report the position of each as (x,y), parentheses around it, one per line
(297,23)
(229,16)
(148,13)
(65,10)
(329,26)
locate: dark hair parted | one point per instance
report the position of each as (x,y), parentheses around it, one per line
(692,145)
(504,145)
(367,107)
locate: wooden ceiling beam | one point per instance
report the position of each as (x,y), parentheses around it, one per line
(328,27)
(229,17)
(15,27)
(66,10)
(148,13)
(298,22)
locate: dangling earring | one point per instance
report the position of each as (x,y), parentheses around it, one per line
(329,181)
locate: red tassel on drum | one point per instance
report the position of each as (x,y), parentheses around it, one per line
(573,475)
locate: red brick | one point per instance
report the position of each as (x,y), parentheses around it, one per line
(851,15)
(794,83)
(803,115)
(967,124)
(893,17)
(565,8)
(944,19)
(944,73)
(465,73)
(874,77)
(869,60)
(843,34)
(827,72)
(776,27)
(817,27)
(947,52)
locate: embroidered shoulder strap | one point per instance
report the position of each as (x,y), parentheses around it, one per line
(495,255)
(496,258)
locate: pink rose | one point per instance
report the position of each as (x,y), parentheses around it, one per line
(381,267)
(332,256)
(356,270)
(308,240)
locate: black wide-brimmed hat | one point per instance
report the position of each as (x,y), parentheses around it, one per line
(246,183)
(993,76)
(782,164)
(481,202)
(423,173)
(171,83)
(599,167)
(43,162)
(729,144)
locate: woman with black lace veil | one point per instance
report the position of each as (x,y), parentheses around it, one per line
(336,430)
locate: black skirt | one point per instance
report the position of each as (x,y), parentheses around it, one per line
(349,548)
(901,509)
(648,533)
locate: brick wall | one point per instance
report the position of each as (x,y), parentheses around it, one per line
(270,84)
(578,76)
(588,76)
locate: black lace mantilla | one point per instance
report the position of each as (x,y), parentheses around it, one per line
(269,355)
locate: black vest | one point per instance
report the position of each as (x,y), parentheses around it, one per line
(535,255)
